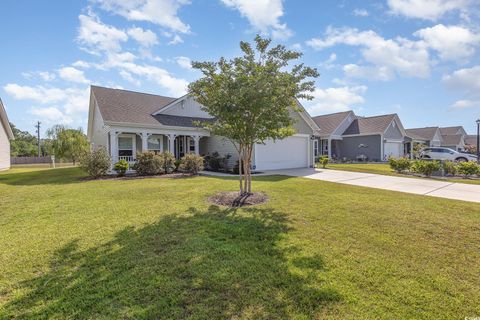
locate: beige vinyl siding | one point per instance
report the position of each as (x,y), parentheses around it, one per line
(221,145)
(4,149)
(99,134)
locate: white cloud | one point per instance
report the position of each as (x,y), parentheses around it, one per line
(360,13)
(466,81)
(465,104)
(336,99)
(44,75)
(329,63)
(74,102)
(263,15)
(380,73)
(128,76)
(176,40)
(184,62)
(426,9)
(81,64)
(161,12)
(95,35)
(73,75)
(52,115)
(451,42)
(146,38)
(400,56)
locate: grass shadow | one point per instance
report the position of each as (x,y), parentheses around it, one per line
(42,177)
(206,264)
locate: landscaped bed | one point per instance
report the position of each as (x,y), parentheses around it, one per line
(157,248)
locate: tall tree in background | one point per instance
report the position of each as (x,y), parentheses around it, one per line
(251,97)
(67,143)
(24,145)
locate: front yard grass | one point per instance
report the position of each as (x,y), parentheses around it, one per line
(155,248)
(384,169)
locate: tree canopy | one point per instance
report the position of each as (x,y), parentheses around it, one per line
(66,143)
(251,97)
(24,145)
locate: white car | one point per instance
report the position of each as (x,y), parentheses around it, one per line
(438,153)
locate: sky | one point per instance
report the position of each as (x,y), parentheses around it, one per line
(417,58)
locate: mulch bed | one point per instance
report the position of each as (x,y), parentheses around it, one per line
(235,200)
(134,177)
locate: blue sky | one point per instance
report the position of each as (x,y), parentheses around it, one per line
(417,58)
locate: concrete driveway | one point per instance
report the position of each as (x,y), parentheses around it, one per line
(429,187)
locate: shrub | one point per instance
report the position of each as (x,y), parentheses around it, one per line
(469,168)
(168,162)
(215,162)
(449,168)
(399,164)
(425,167)
(148,164)
(177,163)
(323,161)
(121,167)
(96,163)
(191,163)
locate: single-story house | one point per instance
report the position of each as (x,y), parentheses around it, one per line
(345,136)
(453,137)
(6,135)
(429,136)
(127,122)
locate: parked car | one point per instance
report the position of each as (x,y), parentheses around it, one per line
(446,154)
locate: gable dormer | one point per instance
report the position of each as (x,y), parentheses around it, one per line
(185,106)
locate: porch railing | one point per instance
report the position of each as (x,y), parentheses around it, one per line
(129,159)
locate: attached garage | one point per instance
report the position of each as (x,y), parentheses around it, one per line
(291,152)
(393,149)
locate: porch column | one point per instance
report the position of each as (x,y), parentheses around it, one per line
(114,146)
(171,142)
(196,139)
(145,136)
(329,148)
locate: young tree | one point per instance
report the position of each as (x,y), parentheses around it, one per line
(251,97)
(24,145)
(67,143)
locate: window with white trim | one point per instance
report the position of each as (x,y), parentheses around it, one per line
(315,147)
(125,146)
(154,144)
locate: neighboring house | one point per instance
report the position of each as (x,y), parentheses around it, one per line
(6,135)
(429,136)
(346,136)
(127,122)
(471,140)
(453,137)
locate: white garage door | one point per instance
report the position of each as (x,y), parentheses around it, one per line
(291,152)
(393,149)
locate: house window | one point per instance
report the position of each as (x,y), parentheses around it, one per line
(154,144)
(191,145)
(315,147)
(125,146)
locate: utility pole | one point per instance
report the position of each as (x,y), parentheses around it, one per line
(38,136)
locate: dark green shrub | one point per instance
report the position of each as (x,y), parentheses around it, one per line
(449,168)
(468,168)
(148,164)
(96,163)
(215,162)
(426,167)
(168,162)
(399,164)
(323,161)
(177,163)
(121,167)
(191,163)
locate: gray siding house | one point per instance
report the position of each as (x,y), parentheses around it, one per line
(127,122)
(6,135)
(345,136)
(448,137)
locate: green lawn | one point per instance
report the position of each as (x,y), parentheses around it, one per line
(154,248)
(384,169)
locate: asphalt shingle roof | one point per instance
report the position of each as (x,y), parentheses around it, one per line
(452,139)
(329,122)
(471,140)
(426,133)
(370,125)
(450,130)
(128,106)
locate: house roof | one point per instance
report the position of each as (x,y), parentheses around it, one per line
(471,140)
(4,121)
(427,133)
(118,105)
(179,121)
(452,139)
(450,130)
(370,125)
(328,123)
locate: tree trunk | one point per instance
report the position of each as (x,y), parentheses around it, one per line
(240,171)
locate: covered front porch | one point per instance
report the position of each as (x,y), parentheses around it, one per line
(124,144)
